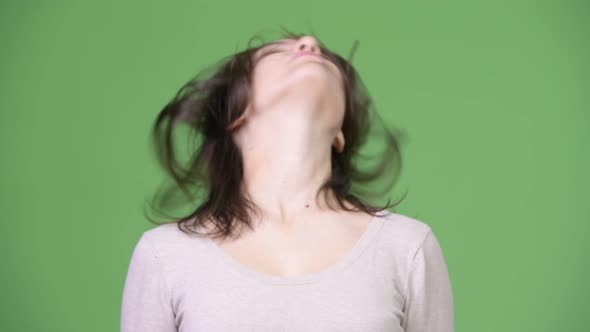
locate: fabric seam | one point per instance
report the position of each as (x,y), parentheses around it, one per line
(411,269)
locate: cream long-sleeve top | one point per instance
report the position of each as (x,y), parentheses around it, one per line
(394,279)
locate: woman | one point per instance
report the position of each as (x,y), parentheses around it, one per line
(265,252)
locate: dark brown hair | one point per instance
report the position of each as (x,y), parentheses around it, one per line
(209,106)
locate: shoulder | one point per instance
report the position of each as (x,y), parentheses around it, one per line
(168,240)
(163,231)
(402,236)
(404,229)
(170,232)
(400,240)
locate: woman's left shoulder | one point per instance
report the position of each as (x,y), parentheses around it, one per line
(401,230)
(399,222)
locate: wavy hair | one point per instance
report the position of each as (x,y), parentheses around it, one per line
(208,106)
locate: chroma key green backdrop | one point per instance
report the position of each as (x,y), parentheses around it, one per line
(494,96)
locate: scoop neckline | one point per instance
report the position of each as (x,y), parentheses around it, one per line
(344,261)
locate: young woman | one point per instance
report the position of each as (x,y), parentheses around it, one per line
(280,125)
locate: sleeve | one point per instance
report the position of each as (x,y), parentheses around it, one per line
(146,303)
(429,298)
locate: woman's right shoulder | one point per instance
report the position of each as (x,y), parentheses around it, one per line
(168,237)
(163,230)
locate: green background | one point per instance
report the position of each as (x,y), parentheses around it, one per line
(494,96)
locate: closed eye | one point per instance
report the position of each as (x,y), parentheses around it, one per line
(273,50)
(285,45)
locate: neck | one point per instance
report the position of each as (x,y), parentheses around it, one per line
(285,164)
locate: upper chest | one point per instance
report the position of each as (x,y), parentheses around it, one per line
(208,294)
(297,250)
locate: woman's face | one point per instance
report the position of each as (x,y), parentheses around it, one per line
(294,75)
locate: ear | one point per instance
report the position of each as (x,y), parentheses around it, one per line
(239,121)
(339,142)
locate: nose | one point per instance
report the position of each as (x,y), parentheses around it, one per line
(307,43)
